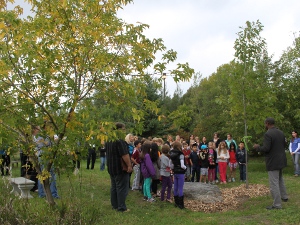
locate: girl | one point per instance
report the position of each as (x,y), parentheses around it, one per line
(232,162)
(156,164)
(135,159)
(165,169)
(147,170)
(212,156)
(222,157)
(177,158)
(294,148)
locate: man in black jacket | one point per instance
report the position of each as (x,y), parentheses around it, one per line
(274,149)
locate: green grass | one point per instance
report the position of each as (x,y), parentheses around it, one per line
(85,199)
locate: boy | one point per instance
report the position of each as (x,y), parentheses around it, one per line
(204,163)
(186,153)
(241,159)
(135,159)
(195,163)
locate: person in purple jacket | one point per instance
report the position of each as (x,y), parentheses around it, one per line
(147,170)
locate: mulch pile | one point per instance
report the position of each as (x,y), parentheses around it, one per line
(232,198)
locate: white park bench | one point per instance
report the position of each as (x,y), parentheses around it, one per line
(22,186)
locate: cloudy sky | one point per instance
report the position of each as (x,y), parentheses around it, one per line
(203,31)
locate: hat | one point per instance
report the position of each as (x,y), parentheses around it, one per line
(203,146)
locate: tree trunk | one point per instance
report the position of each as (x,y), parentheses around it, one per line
(47,190)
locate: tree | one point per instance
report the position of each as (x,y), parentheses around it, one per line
(252,98)
(53,60)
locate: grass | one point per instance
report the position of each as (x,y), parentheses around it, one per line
(85,199)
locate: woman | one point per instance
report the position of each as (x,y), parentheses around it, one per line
(294,148)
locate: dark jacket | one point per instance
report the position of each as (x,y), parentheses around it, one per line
(274,149)
(175,157)
(240,155)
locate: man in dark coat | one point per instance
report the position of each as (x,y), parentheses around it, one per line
(274,149)
(119,167)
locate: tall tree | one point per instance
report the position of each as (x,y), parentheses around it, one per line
(53,60)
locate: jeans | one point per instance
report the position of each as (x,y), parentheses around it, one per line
(178,184)
(195,170)
(242,168)
(166,183)
(102,163)
(296,163)
(53,187)
(119,191)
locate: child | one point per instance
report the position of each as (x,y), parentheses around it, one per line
(232,162)
(147,170)
(195,163)
(165,169)
(156,164)
(204,163)
(135,159)
(212,156)
(222,156)
(241,159)
(186,153)
(177,158)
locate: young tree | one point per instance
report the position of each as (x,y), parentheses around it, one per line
(53,60)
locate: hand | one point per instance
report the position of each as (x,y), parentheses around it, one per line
(129,170)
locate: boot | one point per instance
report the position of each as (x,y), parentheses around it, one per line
(181,202)
(176,201)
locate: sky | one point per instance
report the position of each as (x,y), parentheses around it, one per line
(203,31)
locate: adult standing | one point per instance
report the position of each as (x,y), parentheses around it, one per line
(216,140)
(294,148)
(274,149)
(229,140)
(119,167)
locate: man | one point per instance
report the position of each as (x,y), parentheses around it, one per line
(274,149)
(116,151)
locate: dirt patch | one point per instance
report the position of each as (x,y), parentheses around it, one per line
(232,198)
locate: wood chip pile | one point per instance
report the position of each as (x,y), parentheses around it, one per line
(232,198)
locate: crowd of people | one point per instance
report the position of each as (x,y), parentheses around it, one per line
(172,163)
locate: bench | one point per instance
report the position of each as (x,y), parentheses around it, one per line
(22,186)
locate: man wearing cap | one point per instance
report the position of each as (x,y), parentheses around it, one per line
(274,149)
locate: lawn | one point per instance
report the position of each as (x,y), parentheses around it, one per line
(85,199)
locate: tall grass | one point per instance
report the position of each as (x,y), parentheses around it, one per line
(85,199)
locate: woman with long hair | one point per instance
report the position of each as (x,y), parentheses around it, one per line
(294,148)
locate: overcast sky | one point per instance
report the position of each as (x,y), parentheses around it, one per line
(203,31)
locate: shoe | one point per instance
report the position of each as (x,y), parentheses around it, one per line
(126,210)
(272,207)
(284,199)
(296,175)
(145,198)
(225,182)
(233,180)
(151,200)
(229,180)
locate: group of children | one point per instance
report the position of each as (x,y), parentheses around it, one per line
(155,162)
(205,162)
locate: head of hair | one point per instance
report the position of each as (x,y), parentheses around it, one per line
(127,138)
(217,134)
(136,143)
(195,144)
(293,138)
(120,126)
(270,121)
(145,149)
(210,144)
(222,143)
(154,152)
(177,145)
(165,149)
(232,144)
